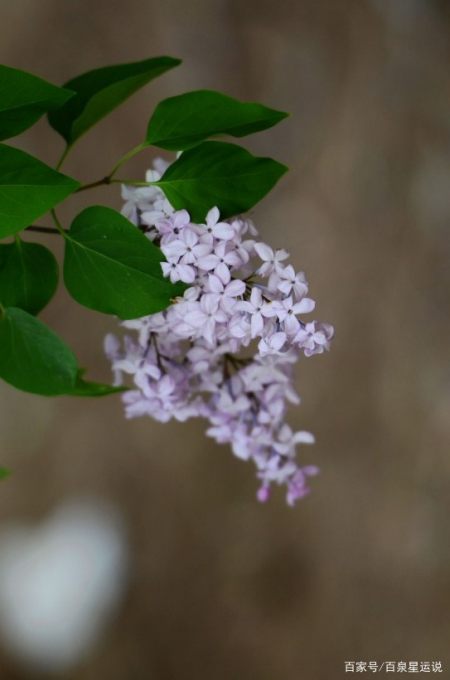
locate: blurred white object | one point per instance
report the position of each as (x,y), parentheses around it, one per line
(60,583)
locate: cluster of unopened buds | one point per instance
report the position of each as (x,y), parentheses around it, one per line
(225,350)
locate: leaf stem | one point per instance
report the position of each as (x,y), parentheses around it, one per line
(126,157)
(43,230)
(64,155)
(92,185)
(58,224)
(109,178)
(132,182)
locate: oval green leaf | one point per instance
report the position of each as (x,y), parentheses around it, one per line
(182,121)
(28,189)
(100,91)
(110,266)
(24,98)
(28,276)
(219,174)
(32,357)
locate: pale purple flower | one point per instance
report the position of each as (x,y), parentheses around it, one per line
(243,226)
(291,282)
(215,229)
(239,328)
(178,272)
(251,443)
(272,344)
(186,248)
(272,259)
(155,323)
(263,493)
(170,227)
(198,358)
(286,310)
(314,337)
(277,470)
(160,166)
(206,315)
(149,202)
(137,200)
(220,261)
(242,249)
(258,310)
(160,397)
(161,212)
(298,483)
(229,405)
(287,439)
(204,358)
(135,361)
(258,376)
(226,294)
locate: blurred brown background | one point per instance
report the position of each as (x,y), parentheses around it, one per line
(222,588)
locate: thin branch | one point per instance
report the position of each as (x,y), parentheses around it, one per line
(43,230)
(111,180)
(57,223)
(63,156)
(127,157)
(92,185)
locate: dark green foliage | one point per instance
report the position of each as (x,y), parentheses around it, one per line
(216,173)
(28,275)
(28,189)
(110,266)
(100,91)
(180,122)
(24,98)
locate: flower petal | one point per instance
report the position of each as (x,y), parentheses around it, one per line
(264,251)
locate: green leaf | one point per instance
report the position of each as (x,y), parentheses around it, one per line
(219,174)
(35,359)
(110,266)
(182,121)
(28,189)
(32,357)
(24,98)
(85,388)
(100,91)
(28,276)
(4,472)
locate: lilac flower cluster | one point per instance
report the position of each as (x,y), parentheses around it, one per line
(190,360)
